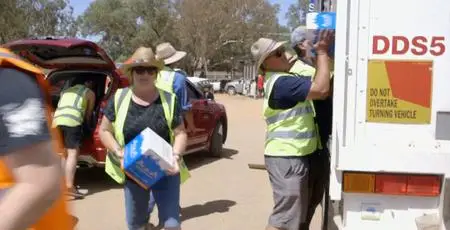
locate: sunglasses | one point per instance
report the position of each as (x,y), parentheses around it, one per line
(142,70)
(278,53)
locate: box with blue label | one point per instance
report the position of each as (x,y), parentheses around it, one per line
(147,157)
(321,21)
(317,21)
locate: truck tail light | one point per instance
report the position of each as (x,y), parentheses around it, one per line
(422,185)
(392,184)
(359,182)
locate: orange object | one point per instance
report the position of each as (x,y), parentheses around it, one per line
(57,217)
(392,184)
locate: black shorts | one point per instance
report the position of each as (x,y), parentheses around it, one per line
(73,136)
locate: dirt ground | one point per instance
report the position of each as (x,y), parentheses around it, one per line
(223,194)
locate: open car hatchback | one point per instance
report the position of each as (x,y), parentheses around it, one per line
(66,61)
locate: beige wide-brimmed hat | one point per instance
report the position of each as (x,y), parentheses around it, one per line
(166,52)
(262,48)
(143,56)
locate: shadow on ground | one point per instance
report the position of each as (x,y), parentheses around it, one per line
(208,208)
(198,210)
(95,180)
(196,160)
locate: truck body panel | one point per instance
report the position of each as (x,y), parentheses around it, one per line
(391,110)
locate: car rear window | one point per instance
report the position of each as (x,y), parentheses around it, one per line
(51,52)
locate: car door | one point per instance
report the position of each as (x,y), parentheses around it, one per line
(203,118)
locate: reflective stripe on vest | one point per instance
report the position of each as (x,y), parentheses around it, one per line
(56,217)
(290,135)
(68,113)
(288,114)
(290,132)
(165,80)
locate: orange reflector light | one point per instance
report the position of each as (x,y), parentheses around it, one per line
(359,182)
(422,185)
(392,184)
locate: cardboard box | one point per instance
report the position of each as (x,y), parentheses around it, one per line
(321,21)
(317,21)
(147,157)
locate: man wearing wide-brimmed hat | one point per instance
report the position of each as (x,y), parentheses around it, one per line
(173,79)
(304,65)
(292,140)
(127,113)
(168,77)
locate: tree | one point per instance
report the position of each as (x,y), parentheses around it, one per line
(27,18)
(222,31)
(113,22)
(124,25)
(296,14)
(213,33)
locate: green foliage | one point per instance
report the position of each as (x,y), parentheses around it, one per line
(215,34)
(296,14)
(32,18)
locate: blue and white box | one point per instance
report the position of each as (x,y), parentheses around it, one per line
(321,21)
(317,21)
(147,157)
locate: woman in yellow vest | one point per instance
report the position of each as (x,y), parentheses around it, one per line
(130,111)
(30,174)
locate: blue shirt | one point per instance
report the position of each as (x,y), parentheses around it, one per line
(287,91)
(179,87)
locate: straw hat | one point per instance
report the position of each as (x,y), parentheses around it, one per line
(262,48)
(143,56)
(165,51)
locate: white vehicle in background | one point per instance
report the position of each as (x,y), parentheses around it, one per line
(390,151)
(197,80)
(235,87)
(215,85)
(203,82)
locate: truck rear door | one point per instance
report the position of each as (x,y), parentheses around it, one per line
(396,110)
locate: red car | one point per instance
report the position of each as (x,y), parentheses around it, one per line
(64,60)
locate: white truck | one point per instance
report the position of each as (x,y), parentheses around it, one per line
(390,148)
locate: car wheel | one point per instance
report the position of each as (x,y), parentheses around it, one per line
(216,145)
(231,91)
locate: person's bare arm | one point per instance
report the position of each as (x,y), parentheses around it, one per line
(189,115)
(180,142)
(320,87)
(37,172)
(179,146)
(107,137)
(90,106)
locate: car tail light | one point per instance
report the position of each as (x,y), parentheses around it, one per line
(392,184)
